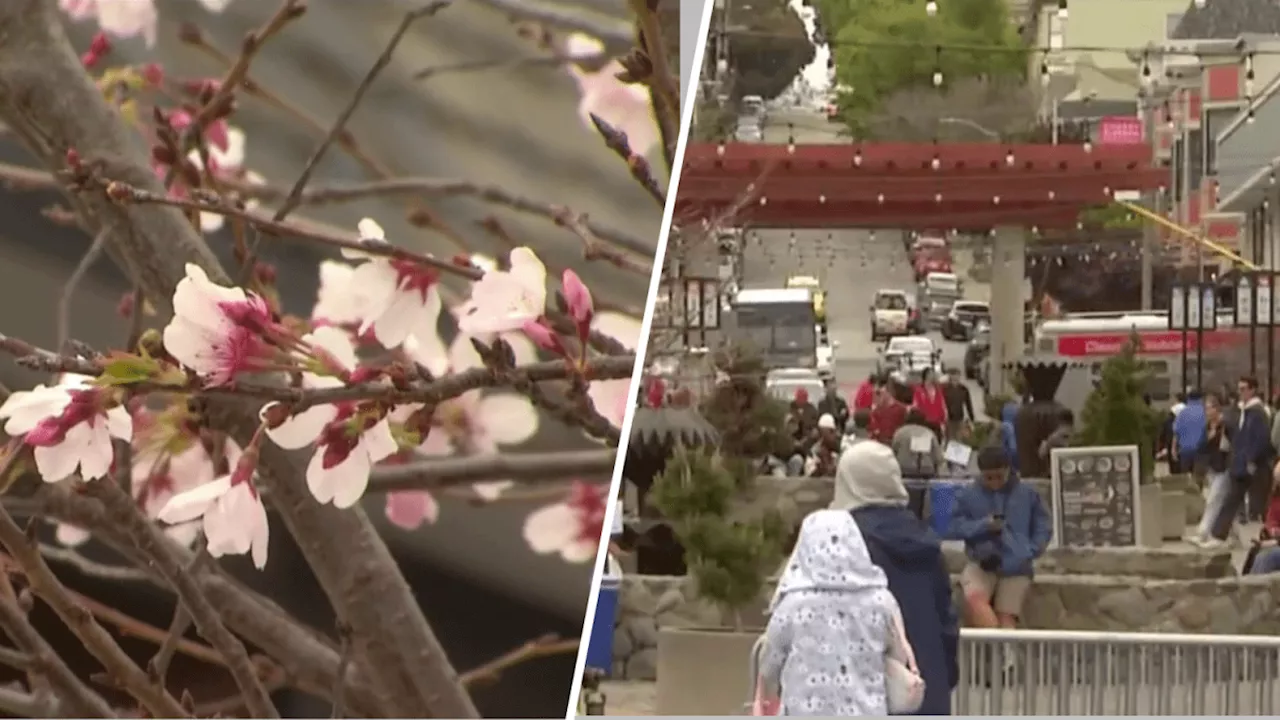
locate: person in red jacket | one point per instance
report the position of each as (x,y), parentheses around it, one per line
(887,415)
(865,396)
(931,403)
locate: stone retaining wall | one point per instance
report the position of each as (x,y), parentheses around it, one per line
(1117,603)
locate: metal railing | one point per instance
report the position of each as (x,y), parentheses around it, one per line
(1048,672)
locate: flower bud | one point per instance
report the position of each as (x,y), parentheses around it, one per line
(578,298)
(153,73)
(125,307)
(544,337)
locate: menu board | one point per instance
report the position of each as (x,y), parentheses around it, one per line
(1095,496)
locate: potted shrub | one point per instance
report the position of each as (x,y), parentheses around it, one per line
(701,670)
(1117,413)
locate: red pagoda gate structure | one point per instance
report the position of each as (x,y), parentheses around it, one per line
(969,186)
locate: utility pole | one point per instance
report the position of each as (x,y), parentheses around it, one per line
(1150,231)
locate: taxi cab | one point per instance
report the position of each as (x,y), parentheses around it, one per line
(819,295)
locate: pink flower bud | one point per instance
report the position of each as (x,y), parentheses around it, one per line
(99,48)
(544,337)
(153,74)
(578,298)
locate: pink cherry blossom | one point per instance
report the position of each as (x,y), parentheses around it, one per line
(624,106)
(70,425)
(613,397)
(118,18)
(158,477)
(226,162)
(399,296)
(474,423)
(345,454)
(572,527)
(305,428)
(217,331)
(503,301)
(229,509)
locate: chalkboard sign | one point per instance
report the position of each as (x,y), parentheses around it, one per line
(1095,496)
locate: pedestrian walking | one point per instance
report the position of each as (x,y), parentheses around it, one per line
(910,554)
(830,625)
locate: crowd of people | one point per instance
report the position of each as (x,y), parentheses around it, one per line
(869,562)
(1228,441)
(915,419)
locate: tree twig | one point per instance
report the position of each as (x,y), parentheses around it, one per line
(531,468)
(545,646)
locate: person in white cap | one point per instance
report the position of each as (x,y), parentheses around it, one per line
(826,451)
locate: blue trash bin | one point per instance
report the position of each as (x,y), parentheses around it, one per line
(600,644)
(942,501)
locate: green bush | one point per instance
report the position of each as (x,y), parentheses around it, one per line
(729,559)
(752,425)
(1116,412)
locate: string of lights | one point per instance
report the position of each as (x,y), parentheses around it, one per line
(1152,51)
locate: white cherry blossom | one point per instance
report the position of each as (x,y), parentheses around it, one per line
(118,18)
(503,301)
(70,425)
(338,300)
(226,162)
(339,470)
(304,428)
(624,106)
(399,296)
(230,512)
(613,397)
(215,330)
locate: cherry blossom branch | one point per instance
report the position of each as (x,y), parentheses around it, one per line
(437,187)
(126,194)
(45,662)
(150,539)
(641,172)
(22,704)
(664,85)
(546,646)
(594,249)
(532,61)
(610,32)
(384,58)
(527,468)
(119,666)
(302,655)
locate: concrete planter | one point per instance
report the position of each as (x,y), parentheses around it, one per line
(704,671)
(1150,510)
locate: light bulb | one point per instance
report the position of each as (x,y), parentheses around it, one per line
(1088,146)
(935,163)
(1200,4)
(791,148)
(720,149)
(880,198)
(937,197)
(822,199)
(931,8)
(995,200)
(764,201)
(857,157)
(1008,159)
(937,78)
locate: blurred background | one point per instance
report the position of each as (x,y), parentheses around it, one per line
(516,127)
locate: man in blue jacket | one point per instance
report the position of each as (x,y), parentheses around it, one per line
(1250,456)
(1189,427)
(1004,527)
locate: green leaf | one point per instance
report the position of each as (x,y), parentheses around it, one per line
(122,369)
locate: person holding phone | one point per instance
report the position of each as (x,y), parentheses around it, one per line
(1005,527)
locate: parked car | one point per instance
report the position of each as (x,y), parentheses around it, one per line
(964,319)
(977,350)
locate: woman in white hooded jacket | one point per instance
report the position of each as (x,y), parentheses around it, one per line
(830,624)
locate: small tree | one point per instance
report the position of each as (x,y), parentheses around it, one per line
(729,559)
(751,424)
(1116,412)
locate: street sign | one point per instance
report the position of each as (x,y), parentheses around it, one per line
(1177,308)
(1193,307)
(1265,297)
(1245,302)
(1208,308)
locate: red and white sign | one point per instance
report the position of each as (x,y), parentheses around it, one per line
(1167,342)
(1120,130)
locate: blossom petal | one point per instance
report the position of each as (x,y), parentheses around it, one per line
(492,490)
(302,429)
(409,509)
(509,418)
(550,528)
(189,505)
